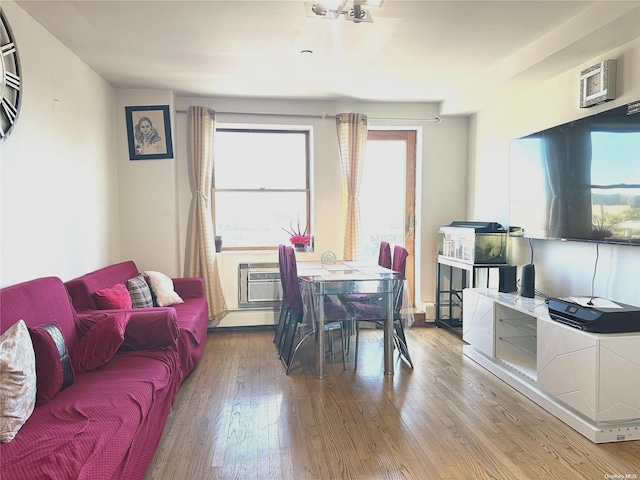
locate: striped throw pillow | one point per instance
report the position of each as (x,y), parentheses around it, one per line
(140,292)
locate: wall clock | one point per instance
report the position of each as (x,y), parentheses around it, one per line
(598,83)
(9,80)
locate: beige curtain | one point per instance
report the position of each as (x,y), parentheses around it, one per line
(352,140)
(201,256)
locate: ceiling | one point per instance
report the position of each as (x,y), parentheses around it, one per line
(460,53)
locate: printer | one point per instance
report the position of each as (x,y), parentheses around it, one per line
(596,315)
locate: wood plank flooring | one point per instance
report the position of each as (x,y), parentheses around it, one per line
(238,416)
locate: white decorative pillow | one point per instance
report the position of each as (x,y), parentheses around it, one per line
(17,380)
(162,289)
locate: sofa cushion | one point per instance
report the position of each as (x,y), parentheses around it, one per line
(162,289)
(100,343)
(116,297)
(140,292)
(53,364)
(18,380)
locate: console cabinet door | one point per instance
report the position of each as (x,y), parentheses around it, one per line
(477,327)
(619,388)
(567,364)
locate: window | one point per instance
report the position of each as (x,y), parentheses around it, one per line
(260,185)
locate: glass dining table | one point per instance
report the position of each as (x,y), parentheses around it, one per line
(318,280)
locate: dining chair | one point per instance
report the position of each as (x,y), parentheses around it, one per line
(357,299)
(384,254)
(370,308)
(384,260)
(292,306)
(284,309)
(335,315)
(399,265)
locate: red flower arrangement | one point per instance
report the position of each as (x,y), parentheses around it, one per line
(298,237)
(301,239)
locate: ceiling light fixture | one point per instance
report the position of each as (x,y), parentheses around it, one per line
(333,9)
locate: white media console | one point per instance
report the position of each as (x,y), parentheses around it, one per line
(590,381)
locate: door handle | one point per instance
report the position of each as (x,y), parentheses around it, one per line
(410,220)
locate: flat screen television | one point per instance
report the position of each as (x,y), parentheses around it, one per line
(578,181)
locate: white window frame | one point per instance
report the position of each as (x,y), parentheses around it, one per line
(275,129)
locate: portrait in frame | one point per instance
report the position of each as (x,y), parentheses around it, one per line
(149,132)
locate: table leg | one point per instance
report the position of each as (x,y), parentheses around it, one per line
(388,334)
(319,334)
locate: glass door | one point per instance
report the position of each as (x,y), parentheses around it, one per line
(387,194)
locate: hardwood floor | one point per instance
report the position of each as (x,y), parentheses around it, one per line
(238,416)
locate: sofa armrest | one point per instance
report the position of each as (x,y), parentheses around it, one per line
(189,287)
(147,328)
(151,329)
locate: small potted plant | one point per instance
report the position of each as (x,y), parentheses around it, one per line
(300,239)
(600,229)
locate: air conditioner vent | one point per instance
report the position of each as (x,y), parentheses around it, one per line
(259,285)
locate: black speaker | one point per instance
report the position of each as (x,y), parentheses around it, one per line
(507,279)
(528,281)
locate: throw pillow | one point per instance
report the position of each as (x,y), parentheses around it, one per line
(53,365)
(116,297)
(162,288)
(139,292)
(100,343)
(17,380)
(84,322)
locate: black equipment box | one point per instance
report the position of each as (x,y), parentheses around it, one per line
(595,319)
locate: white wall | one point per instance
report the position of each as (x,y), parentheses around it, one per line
(561,267)
(147,194)
(57,170)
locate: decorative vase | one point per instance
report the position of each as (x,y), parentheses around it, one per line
(299,247)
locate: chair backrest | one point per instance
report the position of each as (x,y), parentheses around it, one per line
(282,266)
(400,255)
(384,256)
(292,297)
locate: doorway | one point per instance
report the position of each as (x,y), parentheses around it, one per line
(388,194)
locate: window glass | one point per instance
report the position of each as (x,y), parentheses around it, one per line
(381,213)
(260,185)
(615,180)
(260,159)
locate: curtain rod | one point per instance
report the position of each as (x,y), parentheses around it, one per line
(321,115)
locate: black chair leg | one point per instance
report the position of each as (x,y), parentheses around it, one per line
(401,341)
(277,339)
(286,352)
(344,344)
(289,317)
(355,355)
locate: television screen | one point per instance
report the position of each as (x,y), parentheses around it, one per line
(578,181)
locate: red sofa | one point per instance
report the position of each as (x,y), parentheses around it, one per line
(108,423)
(191,316)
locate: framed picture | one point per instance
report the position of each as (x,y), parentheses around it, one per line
(149,132)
